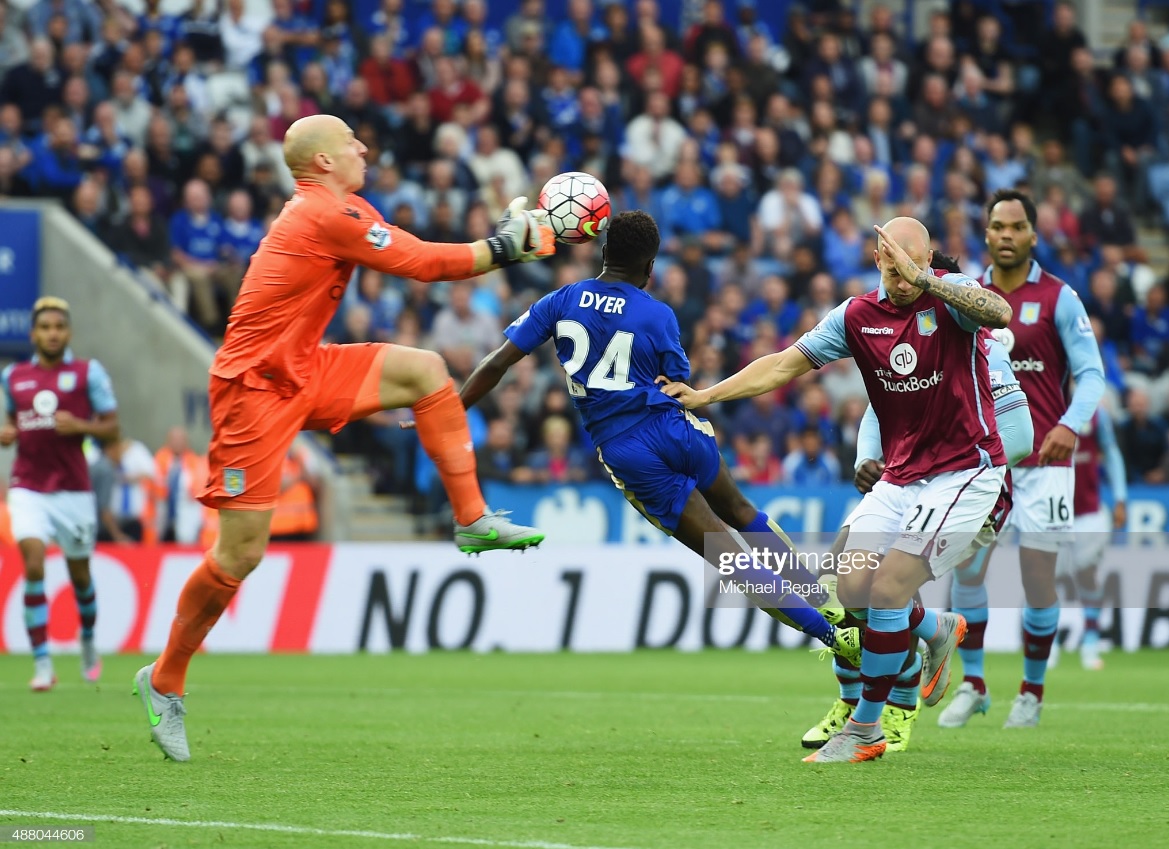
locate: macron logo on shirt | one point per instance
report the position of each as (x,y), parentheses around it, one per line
(877,331)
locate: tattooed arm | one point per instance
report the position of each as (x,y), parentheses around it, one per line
(975,302)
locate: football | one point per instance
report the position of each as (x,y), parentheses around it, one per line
(577,205)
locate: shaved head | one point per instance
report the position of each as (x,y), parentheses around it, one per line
(911,234)
(914,239)
(312,135)
(322,149)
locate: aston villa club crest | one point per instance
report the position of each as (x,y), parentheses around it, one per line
(1029,313)
(233,481)
(927,322)
(67,381)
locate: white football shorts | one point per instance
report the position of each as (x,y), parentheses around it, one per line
(935,518)
(69,518)
(1041,506)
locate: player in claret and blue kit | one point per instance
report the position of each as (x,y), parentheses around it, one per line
(54,401)
(614,341)
(1094,524)
(1015,430)
(916,341)
(1050,340)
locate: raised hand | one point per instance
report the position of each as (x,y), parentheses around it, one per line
(521,236)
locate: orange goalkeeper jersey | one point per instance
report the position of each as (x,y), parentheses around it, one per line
(297,278)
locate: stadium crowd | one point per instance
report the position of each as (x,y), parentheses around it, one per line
(765,152)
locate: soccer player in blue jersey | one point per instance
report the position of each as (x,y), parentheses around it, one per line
(614,341)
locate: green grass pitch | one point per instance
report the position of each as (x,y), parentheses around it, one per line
(645,751)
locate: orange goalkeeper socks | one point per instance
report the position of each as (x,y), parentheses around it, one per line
(205,596)
(442,428)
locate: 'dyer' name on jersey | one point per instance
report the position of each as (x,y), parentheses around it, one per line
(613,340)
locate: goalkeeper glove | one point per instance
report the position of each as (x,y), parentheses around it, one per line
(521,236)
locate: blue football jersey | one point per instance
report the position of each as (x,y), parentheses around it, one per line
(613,340)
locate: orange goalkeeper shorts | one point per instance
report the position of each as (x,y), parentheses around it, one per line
(252,429)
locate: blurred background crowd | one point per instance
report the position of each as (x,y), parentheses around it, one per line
(765,146)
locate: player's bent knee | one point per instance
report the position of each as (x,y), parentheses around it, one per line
(852,589)
(889,593)
(239,561)
(409,374)
(32,552)
(895,582)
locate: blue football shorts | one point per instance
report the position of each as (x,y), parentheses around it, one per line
(660,462)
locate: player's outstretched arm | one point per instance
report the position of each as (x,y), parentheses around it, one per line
(488,373)
(359,235)
(975,302)
(763,375)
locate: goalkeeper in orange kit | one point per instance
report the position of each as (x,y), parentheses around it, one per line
(272,378)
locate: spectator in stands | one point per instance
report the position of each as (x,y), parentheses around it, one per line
(881,69)
(1053,169)
(33,84)
(295,517)
(1104,303)
(132,110)
(1136,38)
(239,238)
(196,232)
(12,183)
(1104,221)
(179,476)
(56,168)
(1129,136)
(498,459)
(390,79)
(1084,97)
(86,206)
(491,162)
(656,55)
(261,147)
(557,460)
(757,463)
(458,325)
(690,209)
(142,238)
(1150,331)
(788,215)
(1055,50)
(131,500)
(1143,438)
(811,465)
(654,139)
(844,245)
(1002,170)
(241,35)
(13,42)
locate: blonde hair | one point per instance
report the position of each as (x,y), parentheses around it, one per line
(50,303)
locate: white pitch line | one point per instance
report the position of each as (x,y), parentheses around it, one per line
(1119,707)
(294,829)
(554,694)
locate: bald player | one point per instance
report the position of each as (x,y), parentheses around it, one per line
(272,378)
(915,340)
